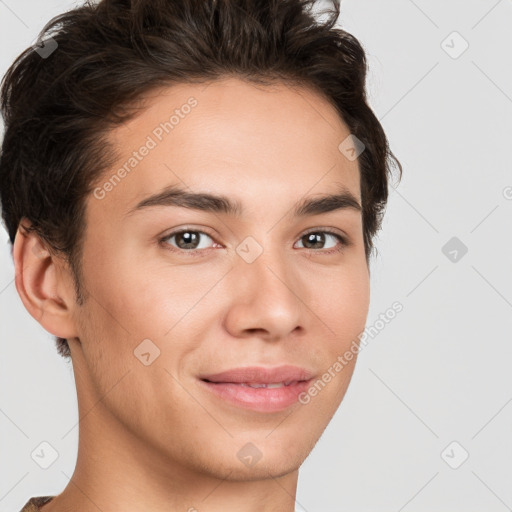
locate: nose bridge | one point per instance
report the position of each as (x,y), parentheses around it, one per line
(270,290)
(266,265)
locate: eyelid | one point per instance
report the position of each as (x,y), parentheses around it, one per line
(331,231)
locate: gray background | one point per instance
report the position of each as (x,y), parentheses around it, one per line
(440,371)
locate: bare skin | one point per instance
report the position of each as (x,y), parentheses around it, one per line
(151,438)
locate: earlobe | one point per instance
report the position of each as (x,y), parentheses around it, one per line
(41,283)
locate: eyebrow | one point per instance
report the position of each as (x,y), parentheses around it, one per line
(177,196)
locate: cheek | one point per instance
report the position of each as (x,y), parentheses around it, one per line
(166,299)
(342,304)
(343,300)
(129,295)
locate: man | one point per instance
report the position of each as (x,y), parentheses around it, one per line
(191,189)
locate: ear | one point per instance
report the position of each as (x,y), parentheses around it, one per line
(44,284)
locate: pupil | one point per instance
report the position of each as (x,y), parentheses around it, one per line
(315,238)
(188,236)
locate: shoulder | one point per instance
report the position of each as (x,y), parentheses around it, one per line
(35,502)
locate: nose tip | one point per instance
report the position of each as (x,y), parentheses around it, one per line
(267,305)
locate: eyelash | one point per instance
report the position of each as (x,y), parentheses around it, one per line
(344,242)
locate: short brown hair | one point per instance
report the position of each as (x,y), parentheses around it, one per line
(58,107)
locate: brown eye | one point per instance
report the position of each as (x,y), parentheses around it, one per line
(192,241)
(317,239)
(187,239)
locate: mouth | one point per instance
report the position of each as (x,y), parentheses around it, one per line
(259,389)
(271,385)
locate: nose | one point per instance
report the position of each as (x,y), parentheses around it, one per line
(269,301)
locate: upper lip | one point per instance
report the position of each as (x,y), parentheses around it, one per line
(260,374)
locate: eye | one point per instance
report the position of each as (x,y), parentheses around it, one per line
(189,240)
(316,238)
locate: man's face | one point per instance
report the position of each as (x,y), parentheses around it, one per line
(232,291)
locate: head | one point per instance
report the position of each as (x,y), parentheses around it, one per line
(254,102)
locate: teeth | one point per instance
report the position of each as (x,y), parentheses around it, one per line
(271,385)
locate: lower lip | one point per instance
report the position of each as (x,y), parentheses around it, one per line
(259,399)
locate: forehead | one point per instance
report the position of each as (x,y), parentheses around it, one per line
(230,137)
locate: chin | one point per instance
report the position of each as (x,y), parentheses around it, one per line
(262,470)
(276,457)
